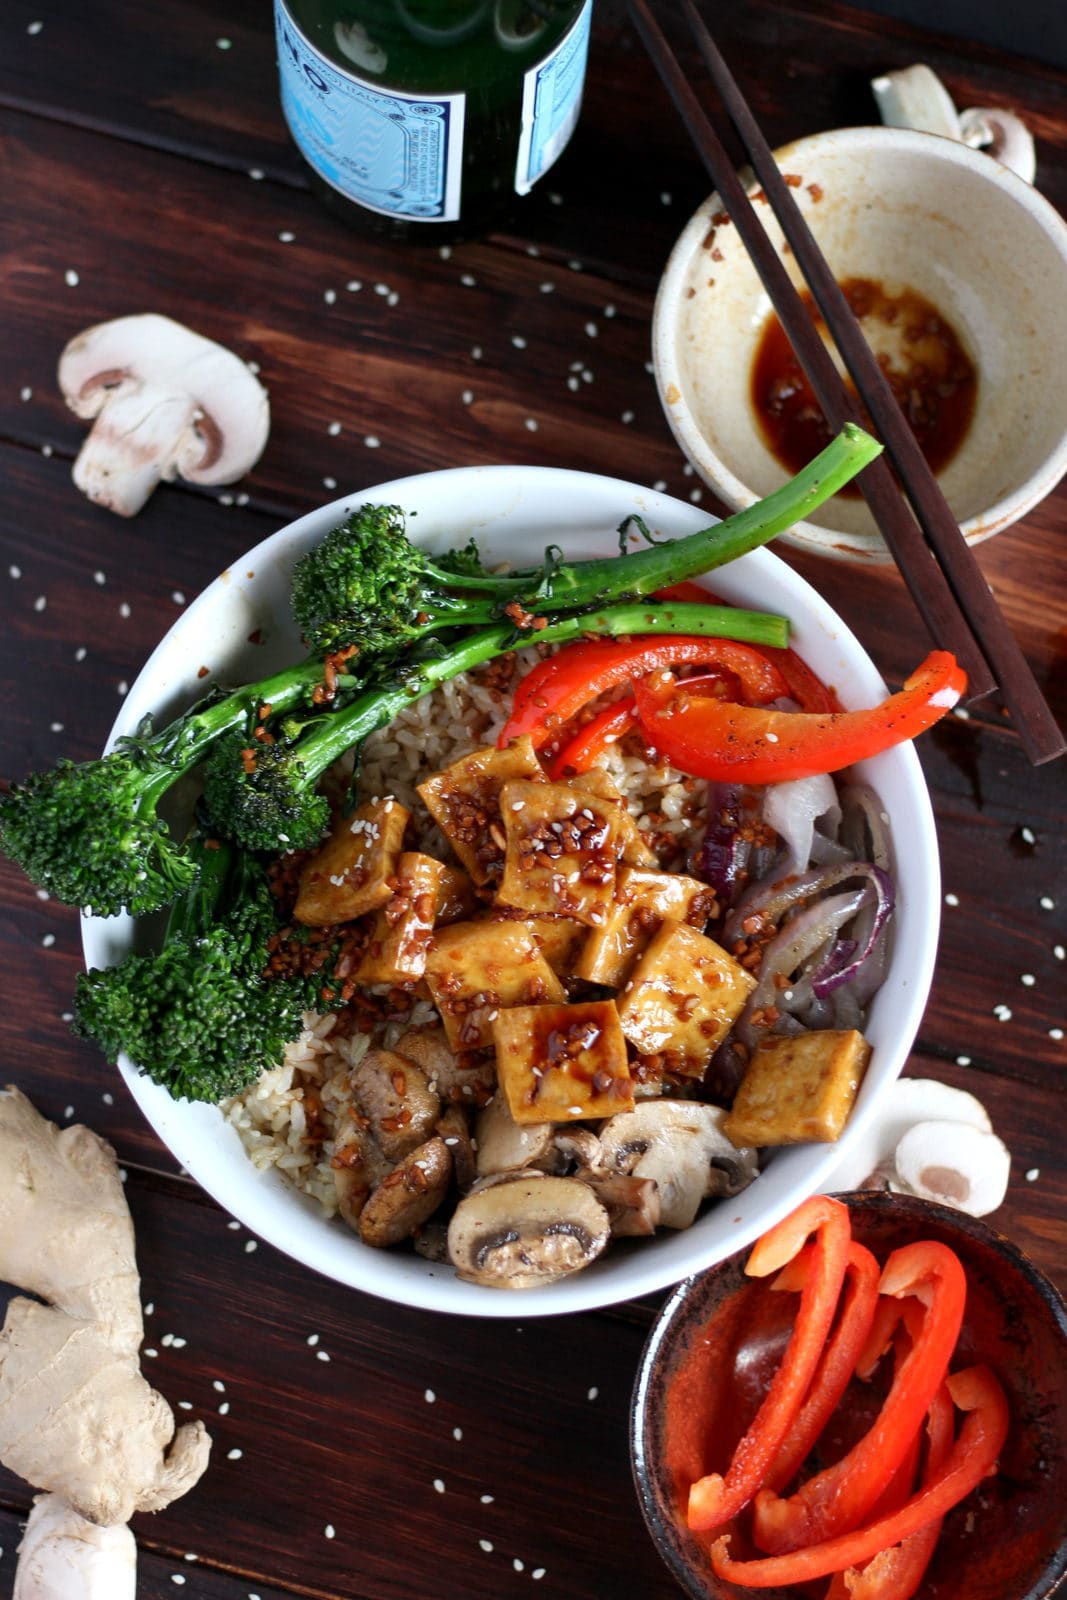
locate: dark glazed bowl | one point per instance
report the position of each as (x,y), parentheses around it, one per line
(717,1341)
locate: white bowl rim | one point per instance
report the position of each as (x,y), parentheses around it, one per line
(207,1147)
(713,469)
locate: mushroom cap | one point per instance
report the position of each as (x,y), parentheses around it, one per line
(523,1232)
(394,1096)
(681,1144)
(908,1101)
(954,1163)
(408,1196)
(178,401)
(504,1145)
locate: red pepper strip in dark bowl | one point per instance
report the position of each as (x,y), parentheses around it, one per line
(714,1499)
(719,740)
(973,1456)
(896,1573)
(837,1362)
(558,687)
(838,1499)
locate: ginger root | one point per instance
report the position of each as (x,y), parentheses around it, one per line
(62,1555)
(76,1416)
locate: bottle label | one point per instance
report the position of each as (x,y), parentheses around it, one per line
(552,102)
(394,153)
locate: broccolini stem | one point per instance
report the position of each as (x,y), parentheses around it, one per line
(373,710)
(674,560)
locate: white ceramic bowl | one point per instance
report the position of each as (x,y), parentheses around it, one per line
(514,512)
(909,210)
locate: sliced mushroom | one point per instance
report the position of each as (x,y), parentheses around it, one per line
(454,1127)
(430,1241)
(633,1205)
(408,1196)
(504,1145)
(526,1232)
(579,1146)
(466,1080)
(166,402)
(398,1103)
(679,1143)
(358,1166)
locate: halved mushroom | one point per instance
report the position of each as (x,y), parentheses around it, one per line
(526,1232)
(633,1205)
(166,402)
(466,1080)
(358,1167)
(454,1127)
(679,1143)
(870,1160)
(408,1196)
(392,1093)
(502,1144)
(954,1163)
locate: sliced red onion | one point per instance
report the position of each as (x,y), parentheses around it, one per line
(804,936)
(721,859)
(864,827)
(792,810)
(849,955)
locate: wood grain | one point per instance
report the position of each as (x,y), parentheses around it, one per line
(135,175)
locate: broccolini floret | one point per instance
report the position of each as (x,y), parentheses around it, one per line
(203,1016)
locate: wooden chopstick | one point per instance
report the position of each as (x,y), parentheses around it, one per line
(954,600)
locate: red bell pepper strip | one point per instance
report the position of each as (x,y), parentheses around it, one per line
(805,687)
(837,1363)
(896,1573)
(730,743)
(972,1457)
(557,688)
(839,1498)
(590,742)
(715,1498)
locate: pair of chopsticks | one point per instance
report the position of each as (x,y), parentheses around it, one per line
(924,538)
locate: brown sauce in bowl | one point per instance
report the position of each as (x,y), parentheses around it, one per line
(930,373)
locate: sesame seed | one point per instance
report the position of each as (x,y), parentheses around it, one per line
(772,738)
(445,252)
(34,27)
(330,1531)
(486,1545)
(591,330)
(665,198)
(108,1098)
(518,341)
(467,396)
(457,1433)
(1046,902)
(519,1566)
(178,596)
(233,1224)
(476,352)
(224,44)
(49,940)
(71,279)
(1027,835)
(468,280)
(330,296)
(40,603)
(354,285)
(250,1245)
(963,1061)
(334,429)
(1033,1174)
(429,1397)
(224,1409)
(1002,1013)
(1055,1033)
(329,483)
(1058,951)
(177,1577)
(234,1455)
(538,1572)
(487,1499)
(313,1339)
(218,1386)
(372,441)
(532,424)
(593,1392)
(286,236)
(547,288)
(627,417)
(256,174)
(81,653)
(322,1355)
(439,1485)
(1027,979)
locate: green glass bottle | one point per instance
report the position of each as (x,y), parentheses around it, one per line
(430,117)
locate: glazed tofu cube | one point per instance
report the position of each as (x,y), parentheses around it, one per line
(562,1063)
(400,938)
(559,939)
(632,847)
(456,898)
(476,969)
(643,901)
(464,801)
(562,851)
(682,999)
(350,875)
(798,1088)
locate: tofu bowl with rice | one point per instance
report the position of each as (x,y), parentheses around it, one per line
(571,997)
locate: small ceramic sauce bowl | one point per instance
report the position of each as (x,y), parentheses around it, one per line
(910,211)
(717,1342)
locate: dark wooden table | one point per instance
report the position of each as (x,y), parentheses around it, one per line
(363,1450)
